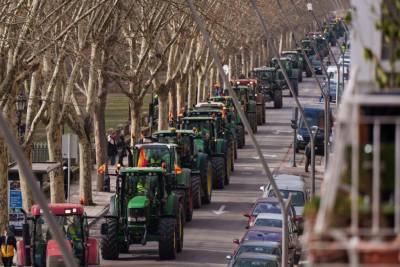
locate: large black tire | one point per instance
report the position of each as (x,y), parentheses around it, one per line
(300,76)
(218,165)
(188,214)
(167,245)
(206,174)
(308,72)
(263,113)
(124,247)
(240,136)
(228,163)
(278,99)
(196,191)
(254,122)
(109,242)
(235,143)
(180,222)
(259,115)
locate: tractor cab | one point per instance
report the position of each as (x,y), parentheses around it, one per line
(43,249)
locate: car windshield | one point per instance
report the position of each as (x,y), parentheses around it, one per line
(314,118)
(266,207)
(265,75)
(268,222)
(152,156)
(202,126)
(42,231)
(258,249)
(255,263)
(297,197)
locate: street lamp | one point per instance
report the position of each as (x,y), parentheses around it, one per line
(20,104)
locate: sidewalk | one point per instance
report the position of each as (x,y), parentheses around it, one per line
(101,199)
(287,167)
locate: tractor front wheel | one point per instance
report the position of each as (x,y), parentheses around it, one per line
(218,165)
(278,99)
(240,135)
(109,242)
(206,173)
(196,189)
(167,245)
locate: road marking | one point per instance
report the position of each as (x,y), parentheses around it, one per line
(220,211)
(267,156)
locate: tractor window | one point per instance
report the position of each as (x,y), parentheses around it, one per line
(142,184)
(153,156)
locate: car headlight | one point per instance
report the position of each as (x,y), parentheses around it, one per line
(300,138)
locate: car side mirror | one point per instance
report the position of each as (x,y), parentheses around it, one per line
(228,257)
(236,241)
(104,229)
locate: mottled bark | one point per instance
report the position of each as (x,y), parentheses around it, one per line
(163,109)
(136,108)
(172,101)
(54,142)
(85,172)
(181,93)
(100,138)
(27,199)
(191,89)
(3,184)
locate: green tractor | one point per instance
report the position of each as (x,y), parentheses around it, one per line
(305,65)
(269,84)
(151,203)
(290,70)
(297,60)
(214,145)
(198,162)
(233,118)
(247,98)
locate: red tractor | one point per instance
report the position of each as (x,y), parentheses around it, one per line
(42,250)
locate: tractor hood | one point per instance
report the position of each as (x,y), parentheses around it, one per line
(138,202)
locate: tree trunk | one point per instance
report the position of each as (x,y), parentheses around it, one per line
(27,199)
(100,138)
(198,87)
(172,101)
(180,94)
(243,63)
(54,142)
(212,81)
(251,67)
(3,184)
(136,107)
(191,89)
(85,172)
(163,109)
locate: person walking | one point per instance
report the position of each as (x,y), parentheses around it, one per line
(121,145)
(8,244)
(307,151)
(112,147)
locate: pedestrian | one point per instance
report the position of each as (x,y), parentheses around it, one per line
(112,147)
(121,145)
(66,169)
(8,244)
(142,138)
(308,156)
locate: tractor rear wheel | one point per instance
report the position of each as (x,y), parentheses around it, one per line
(206,173)
(218,165)
(259,115)
(180,221)
(188,213)
(196,189)
(278,99)
(124,247)
(167,245)
(240,136)
(109,242)
(235,144)
(228,163)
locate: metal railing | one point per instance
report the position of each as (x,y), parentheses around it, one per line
(365,170)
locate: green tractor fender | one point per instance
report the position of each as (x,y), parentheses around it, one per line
(183,178)
(171,206)
(251,106)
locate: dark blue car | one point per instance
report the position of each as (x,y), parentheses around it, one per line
(315,117)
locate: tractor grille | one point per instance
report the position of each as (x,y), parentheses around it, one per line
(136,215)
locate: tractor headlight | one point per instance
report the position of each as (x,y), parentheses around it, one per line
(300,138)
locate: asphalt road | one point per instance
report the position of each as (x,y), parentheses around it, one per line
(208,238)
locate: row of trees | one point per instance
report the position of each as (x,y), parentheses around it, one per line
(66,56)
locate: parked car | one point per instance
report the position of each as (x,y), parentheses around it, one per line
(294,185)
(264,247)
(255,259)
(266,205)
(315,118)
(263,233)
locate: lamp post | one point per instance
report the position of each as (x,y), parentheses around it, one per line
(20,104)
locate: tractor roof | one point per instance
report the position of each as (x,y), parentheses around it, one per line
(245,81)
(210,104)
(155,145)
(172,132)
(142,170)
(221,97)
(290,52)
(58,209)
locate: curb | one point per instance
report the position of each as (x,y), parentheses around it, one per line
(99,215)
